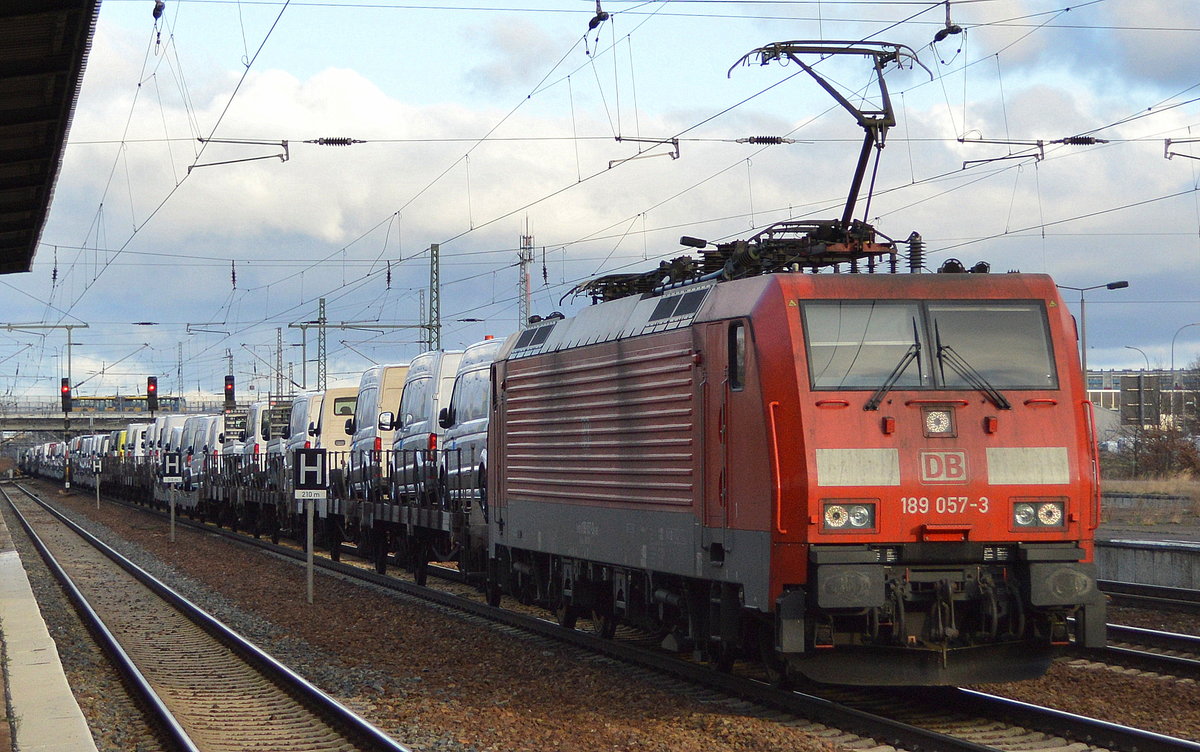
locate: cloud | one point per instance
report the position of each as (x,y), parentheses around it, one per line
(517,54)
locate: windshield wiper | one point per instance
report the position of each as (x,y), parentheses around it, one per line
(912,353)
(947,356)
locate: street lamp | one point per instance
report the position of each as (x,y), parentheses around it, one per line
(1143,352)
(1083,319)
(1177,331)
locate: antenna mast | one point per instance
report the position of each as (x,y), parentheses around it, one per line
(524,295)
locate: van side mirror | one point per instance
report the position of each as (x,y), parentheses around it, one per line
(349,426)
(387,421)
(446,417)
(312,429)
(221,438)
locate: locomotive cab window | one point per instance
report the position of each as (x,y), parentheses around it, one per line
(934,345)
(737,355)
(1007,343)
(857,345)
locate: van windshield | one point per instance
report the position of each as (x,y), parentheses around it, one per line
(471,396)
(299,421)
(415,404)
(366,401)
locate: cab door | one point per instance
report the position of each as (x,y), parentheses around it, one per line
(723,349)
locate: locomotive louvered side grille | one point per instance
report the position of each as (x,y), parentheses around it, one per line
(617,427)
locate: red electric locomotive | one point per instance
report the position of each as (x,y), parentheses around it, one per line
(864,478)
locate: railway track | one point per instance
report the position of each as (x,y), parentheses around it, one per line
(205,687)
(1152,596)
(904,720)
(1165,653)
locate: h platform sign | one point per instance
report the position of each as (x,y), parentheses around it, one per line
(310,476)
(171,468)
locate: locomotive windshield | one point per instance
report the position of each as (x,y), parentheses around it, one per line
(867,344)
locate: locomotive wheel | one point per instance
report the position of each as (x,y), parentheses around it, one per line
(603,623)
(721,656)
(773,664)
(598,622)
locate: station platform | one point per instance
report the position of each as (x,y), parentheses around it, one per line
(42,713)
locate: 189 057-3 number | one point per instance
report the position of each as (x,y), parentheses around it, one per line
(943,504)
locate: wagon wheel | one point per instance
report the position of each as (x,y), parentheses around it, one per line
(567,616)
(379,549)
(491,592)
(333,536)
(420,564)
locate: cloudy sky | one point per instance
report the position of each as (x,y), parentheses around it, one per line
(478,122)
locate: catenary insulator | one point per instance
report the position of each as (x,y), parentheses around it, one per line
(337,141)
(916,253)
(766,140)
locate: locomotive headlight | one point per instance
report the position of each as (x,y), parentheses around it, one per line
(848,515)
(836,516)
(939,421)
(1050,514)
(860,516)
(1024,515)
(1039,513)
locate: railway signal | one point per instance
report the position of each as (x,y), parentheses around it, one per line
(66,395)
(151,393)
(230,400)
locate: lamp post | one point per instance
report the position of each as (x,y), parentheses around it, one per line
(1143,352)
(1177,331)
(1083,319)
(1174,385)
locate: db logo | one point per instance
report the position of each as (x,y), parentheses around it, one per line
(943,467)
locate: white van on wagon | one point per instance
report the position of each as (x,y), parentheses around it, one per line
(465,422)
(379,386)
(416,434)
